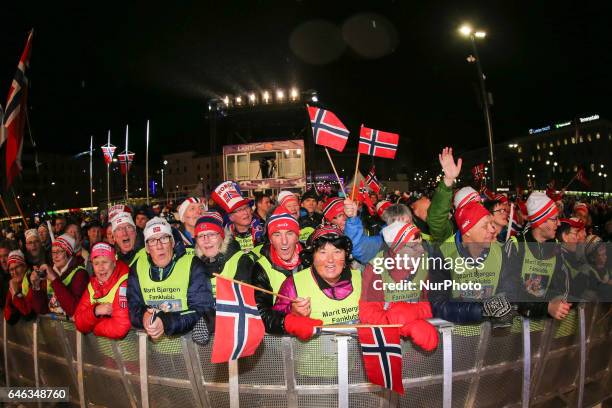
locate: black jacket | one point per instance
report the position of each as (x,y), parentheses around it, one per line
(274,321)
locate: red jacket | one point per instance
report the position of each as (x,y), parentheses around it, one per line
(67,296)
(16,307)
(118,324)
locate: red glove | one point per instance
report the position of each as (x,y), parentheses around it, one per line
(403,312)
(423,334)
(424,310)
(301,327)
(372,312)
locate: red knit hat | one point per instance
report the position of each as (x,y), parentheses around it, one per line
(210,221)
(333,207)
(381,206)
(469,215)
(502,198)
(16,257)
(581,207)
(281,219)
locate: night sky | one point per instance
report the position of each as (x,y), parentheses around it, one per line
(394,65)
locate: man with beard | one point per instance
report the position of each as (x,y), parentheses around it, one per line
(35,253)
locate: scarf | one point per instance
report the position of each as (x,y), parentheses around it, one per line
(287,265)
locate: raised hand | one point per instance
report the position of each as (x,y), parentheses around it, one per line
(450,168)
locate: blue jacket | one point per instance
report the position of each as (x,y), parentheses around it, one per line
(364,247)
(200,301)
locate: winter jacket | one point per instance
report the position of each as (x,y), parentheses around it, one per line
(440,225)
(442,302)
(529,305)
(364,247)
(17,306)
(118,324)
(67,296)
(274,321)
(200,301)
(310,220)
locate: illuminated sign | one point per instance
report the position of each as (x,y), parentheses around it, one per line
(564,124)
(589,118)
(539,130)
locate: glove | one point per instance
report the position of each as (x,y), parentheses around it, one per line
(496,306)
(499,311)
(403,312)
(200,334)
(301,327)
(422,333)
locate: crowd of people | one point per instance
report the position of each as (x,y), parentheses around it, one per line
(331,259)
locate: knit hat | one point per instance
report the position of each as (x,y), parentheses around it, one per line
(398,233)
(540,208)
(325,230)
(185,204)
(102,249)
(122,219)
(591,244)
(284,197)
(210,221)
(502,198)
(227,196)
(465,195)
(469,214)
(581,207)
(116,210)
(66,242)
(573,222)
(16,257)
(281,219)
(381,206)
(31,233)
(333,207)
(155,226)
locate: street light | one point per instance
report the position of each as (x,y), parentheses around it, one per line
(467,31)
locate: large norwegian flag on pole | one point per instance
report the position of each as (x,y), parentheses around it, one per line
(125,161)
(15,115)
(378,143)
(382,356)
(238,326)
(327,129)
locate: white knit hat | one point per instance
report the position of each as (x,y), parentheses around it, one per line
(33,232)
(185,204)
(398,233)
(540,208)
(155,226)
(67,243)
(465,195)
(285,196)
(122,219)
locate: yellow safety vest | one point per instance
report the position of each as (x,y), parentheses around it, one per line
(331,311)
(537,273)
(229,270)
(275,277)
(305,233)
(110,296)
(170,294)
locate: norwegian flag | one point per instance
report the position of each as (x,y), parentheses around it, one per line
(327,129)
(125,161)
(15,115)
(378,143)
(382,356)
(108,150)
(239,329)
(581,177)
(364,197)
(372,181)
(478,172)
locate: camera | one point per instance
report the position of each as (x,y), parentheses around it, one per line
(42,274)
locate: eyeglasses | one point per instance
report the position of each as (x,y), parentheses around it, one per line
(212,236)
(162,240)
(125,229)
(553,219)
(60,252)
(501,211)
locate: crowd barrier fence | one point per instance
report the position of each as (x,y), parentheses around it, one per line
(533,363)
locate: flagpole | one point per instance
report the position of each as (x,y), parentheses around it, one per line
(509,231)
(108,176)
(7,213)
(19,209)
(91,171)
(127,167)
(147,164)
(355,176)
(335,172)
(571,181)
(269,292)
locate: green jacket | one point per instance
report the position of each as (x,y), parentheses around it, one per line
(440,225)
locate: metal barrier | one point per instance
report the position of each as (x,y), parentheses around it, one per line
(531,363)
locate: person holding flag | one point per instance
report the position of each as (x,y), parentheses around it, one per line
(169,270)
(243,227)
